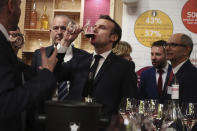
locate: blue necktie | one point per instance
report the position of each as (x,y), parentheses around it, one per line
(63,90)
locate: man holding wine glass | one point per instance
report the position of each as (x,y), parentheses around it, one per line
(58,28)
(110,81)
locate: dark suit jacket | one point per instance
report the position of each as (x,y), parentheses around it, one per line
(36,58)
(15,97)
(148,84)
(115,79)
(187,78)
(39,108)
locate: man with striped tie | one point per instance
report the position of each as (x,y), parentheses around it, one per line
(58,27)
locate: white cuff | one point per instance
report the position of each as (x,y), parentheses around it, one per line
(61,49)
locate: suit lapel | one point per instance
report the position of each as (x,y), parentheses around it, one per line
(13,58)
(8,48)
(154,84)
(168,77)
(49,50)
(87,66)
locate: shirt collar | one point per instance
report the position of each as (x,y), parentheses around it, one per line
(176,69)
(4,31)
(104,55)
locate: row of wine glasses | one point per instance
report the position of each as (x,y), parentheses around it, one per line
(151,115)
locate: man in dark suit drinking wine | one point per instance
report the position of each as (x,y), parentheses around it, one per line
(102,75)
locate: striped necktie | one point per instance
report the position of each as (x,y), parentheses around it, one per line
(63,90)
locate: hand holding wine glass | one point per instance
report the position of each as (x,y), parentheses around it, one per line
(71,33)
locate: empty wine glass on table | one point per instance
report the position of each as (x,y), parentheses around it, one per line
(189,111)
(124,107)
(169,114)
(150,112)
(158,118)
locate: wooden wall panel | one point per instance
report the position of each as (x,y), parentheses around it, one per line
(118,11)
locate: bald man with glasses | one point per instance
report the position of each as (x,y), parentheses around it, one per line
(178,50)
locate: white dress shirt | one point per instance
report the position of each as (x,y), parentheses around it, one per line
(101,61)
(68,50)
(4,31)
(176,69)
(69,55)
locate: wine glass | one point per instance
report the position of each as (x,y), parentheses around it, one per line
(189,111)
(71,27)
(169,116)
(150,111)
(16,39)
(134,107)
(122,107)
(88,29)
(158,118)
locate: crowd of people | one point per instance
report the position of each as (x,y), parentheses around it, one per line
(106,76)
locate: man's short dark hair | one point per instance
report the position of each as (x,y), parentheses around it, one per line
(116,30)
(159,43)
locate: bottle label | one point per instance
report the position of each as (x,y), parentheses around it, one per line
(175,91)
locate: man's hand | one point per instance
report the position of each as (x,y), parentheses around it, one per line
(48,63)
(16,40)
(70,34)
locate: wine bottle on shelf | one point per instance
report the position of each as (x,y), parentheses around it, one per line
(33,19)
(44,19)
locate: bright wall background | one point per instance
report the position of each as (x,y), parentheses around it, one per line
(173,8)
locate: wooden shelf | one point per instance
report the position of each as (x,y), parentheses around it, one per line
(36,38)
(37,30)
(66,11)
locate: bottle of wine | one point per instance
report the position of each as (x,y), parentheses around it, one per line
(44,19)
(33,20)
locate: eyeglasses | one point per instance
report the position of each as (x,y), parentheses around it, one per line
(15,35)
(174,45)
(56,28)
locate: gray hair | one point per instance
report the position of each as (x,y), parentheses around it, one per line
(185,39)
(63,16)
